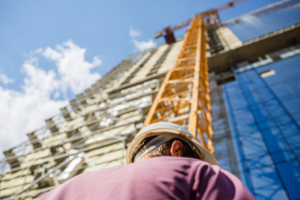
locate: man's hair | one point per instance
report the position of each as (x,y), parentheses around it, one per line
(187,151)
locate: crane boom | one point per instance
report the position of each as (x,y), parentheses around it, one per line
(210,15)
(183,97)
(228,5)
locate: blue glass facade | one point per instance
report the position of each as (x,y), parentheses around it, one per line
(265,21)
(264,119)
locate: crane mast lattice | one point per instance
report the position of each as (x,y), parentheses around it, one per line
(183,97)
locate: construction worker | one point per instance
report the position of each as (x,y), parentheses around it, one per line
(164,162)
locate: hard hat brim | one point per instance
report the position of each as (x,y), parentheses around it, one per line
(195,145)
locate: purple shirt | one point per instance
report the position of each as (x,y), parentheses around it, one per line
(162,177)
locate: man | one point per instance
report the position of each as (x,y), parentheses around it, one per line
(166,162)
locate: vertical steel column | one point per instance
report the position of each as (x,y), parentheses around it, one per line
(183,97)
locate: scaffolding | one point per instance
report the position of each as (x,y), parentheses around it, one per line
(89,135)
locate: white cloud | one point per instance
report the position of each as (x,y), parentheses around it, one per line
(24,111)
(143,45)
(72,67)
(140,45)
(134,33)
(50,53)
(4,79)
(56,95)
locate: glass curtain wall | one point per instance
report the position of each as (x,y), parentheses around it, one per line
(260,23)
(263,111)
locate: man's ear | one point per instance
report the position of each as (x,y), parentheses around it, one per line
(176,149)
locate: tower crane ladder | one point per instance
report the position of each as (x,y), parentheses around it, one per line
(183,97)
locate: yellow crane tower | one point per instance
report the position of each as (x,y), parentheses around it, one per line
(183,97)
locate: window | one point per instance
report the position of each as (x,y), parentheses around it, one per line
(247,129)
(260,161)
(244,119)
(259,84)
(266,184)
(242,78)
(296,116)
(290,173)
(294,86)
(275,109)
(265,68)
(283,120)
(267,73)
(292,105)
(260,113)
(252,98)
(238,103)
(265,94)
(253,145)
(233,90)
(282,156)
(281,90)
(291,133)
(247,88)
(274,140)
(290,53)
(266,125)
(297,152)
(293,73)
(243,111)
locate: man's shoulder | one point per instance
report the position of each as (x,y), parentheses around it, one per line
(170,163)
(174,161)
(164,165)
(166,162)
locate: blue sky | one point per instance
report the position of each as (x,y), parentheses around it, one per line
(52,50)
(99,26)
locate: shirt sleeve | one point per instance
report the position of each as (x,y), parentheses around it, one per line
(211,182)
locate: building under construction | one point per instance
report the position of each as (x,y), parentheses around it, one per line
(235,85)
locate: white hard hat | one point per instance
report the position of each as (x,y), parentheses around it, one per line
(169,131)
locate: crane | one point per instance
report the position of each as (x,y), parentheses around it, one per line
(183,97)
(210,17)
